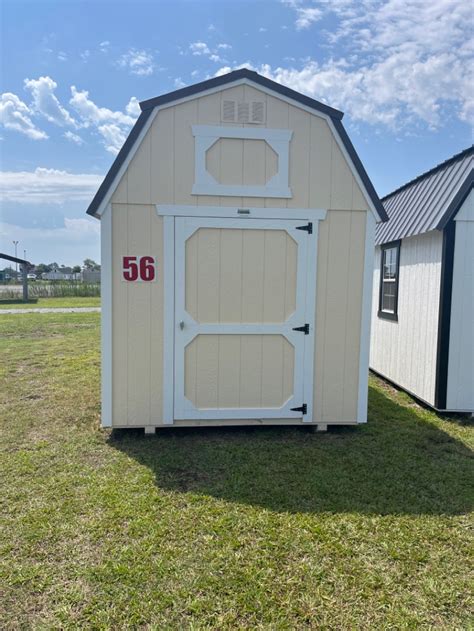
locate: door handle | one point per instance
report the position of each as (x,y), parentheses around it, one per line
(181,325)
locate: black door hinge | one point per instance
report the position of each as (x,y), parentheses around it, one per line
(303,409)
(308,228)
(304,329)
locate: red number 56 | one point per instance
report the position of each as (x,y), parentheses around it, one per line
(143,269)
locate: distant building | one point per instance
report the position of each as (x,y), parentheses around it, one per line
(423,293)
(90,276)
(57,275)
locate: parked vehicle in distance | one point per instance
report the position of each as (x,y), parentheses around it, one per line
(31,276)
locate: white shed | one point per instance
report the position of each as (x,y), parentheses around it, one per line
(423,301)
(237,229)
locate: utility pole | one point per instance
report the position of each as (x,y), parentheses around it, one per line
(15,243)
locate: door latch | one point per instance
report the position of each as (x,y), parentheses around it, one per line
(304,329)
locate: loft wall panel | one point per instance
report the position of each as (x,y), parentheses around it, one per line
(162,171)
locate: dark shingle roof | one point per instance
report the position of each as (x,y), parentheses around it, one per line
(148,106)
(429,201)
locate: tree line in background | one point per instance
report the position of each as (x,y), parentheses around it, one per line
(45,268)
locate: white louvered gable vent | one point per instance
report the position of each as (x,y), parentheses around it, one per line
(243,112)
(258,112)
(228,111)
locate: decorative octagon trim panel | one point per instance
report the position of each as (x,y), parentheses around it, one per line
(278,139)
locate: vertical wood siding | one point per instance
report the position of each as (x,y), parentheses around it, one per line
(137,379)
(460,393)
(162,172)
(338,315)
(405,351)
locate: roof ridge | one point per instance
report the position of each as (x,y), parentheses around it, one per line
(148,106)
(235,75)
(438,167)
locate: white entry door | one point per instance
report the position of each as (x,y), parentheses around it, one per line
(244,339)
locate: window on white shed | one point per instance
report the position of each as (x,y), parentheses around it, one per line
(389,272)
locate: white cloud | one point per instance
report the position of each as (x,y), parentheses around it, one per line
(306,15)
(114,137)
(223,70)
(137,62)
(394,62)
(247,64)
(85,55)
(62,56)
(179,83)
(73,138)
(133,107)
(112,125)
(262,29)
(16,116)
(199,48)
(91,113)
(43,186)
(104,46)
(46,103)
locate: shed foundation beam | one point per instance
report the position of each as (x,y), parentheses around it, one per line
(149,430)
(321,427)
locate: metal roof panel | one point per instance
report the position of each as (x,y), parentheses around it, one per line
(422,204)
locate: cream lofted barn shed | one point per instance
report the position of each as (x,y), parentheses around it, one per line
(237,229)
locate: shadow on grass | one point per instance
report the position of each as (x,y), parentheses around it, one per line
(396,464)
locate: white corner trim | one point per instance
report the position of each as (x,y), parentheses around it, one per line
(364,349)
(207,135)
(168,320)
(106,317)
(243,213)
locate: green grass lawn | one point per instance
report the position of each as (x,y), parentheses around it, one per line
(258,528)
(74,301)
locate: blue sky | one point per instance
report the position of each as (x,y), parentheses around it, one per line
(73,73)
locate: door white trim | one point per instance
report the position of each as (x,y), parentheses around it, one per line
(169,212)
(303,344)
(241,212)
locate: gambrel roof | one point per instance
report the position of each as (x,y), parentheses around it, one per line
(429,201)
(149,106)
